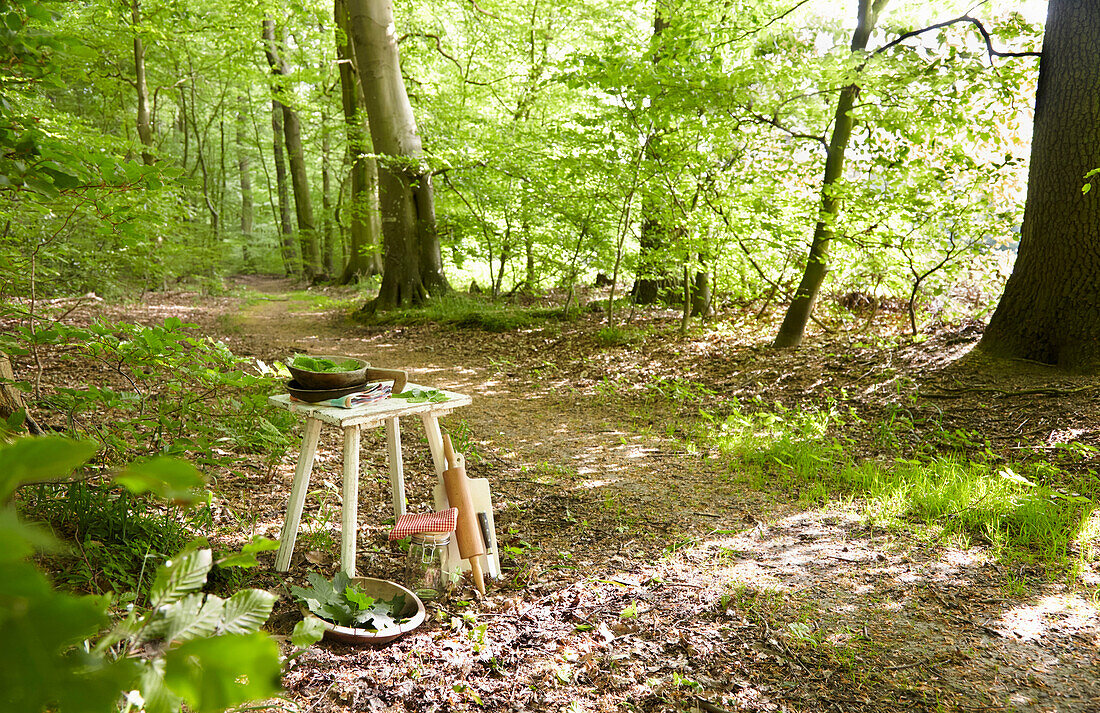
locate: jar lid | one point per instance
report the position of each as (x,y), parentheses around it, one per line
(436,539)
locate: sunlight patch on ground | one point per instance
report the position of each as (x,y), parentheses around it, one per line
(1032,621)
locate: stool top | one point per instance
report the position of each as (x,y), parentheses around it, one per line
(372,413)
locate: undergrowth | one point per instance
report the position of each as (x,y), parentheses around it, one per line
(464,311)
(1022,510)
(116,540)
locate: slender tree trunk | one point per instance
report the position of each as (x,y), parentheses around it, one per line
(655,281)
(290,262)
(244,170)
(798,314)
(328,246)
(412,268)
(144,119)
(1050,309)
(365,257)
(299,177)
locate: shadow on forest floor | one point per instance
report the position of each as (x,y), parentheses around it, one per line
(646,569)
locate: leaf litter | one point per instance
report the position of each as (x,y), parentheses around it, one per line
(637,575)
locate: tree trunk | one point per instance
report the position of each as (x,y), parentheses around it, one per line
(655,281)
(1050,309)
(11,399)
(412,268)
(244,170)
(328,247)
(798,314)
(286,230)
(144,119)
(299,177)
(365,258)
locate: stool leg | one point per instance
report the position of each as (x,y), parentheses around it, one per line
(397,467)
(435,442)
(298,494)
(349,522)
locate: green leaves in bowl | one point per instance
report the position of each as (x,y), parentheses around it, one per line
(342,602)
(323,365)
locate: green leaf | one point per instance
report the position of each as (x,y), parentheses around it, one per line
(180,576)
(223,671)
(37,458)
(158,699)
(246,611)
(247,556)
(307,632)
(193,616)
(358,597)
(173,479)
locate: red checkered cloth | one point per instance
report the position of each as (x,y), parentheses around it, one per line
(412,523)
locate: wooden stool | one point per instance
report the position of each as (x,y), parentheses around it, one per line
(352,421)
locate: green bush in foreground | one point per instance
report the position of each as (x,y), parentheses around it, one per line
(185,648)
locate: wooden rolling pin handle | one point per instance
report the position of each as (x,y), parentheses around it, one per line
(470,545)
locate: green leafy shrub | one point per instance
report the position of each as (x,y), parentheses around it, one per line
(186,648)
(166,389)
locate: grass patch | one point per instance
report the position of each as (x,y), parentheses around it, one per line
(465,311)
(620,336)
(1006,506)
(116,540)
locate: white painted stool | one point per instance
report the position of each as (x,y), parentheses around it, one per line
(352,421)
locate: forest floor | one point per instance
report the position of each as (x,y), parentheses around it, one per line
(640,573)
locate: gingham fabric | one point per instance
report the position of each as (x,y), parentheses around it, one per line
(411,523)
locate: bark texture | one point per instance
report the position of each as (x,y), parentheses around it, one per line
(1050,309)
(286,230)
(365,255)
(412,266)
(798,314)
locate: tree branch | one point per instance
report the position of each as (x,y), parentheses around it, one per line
(773,121)
(947,23)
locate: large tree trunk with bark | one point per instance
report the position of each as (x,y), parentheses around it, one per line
(365,257)
(299,178)
(1050,309)
(798,313)
(412,267)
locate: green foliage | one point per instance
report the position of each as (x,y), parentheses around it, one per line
(343,602)
(972,498)
(168,391)
(322,365)
(469,312)
(189,648)
(419,396)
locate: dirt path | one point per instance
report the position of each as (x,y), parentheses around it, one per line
(642,576)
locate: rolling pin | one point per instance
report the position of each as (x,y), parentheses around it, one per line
(470,545)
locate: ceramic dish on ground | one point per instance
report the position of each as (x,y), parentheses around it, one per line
(379,589)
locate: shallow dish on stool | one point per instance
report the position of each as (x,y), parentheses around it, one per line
(314,396)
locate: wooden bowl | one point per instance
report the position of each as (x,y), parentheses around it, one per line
(379,589)
(318,380)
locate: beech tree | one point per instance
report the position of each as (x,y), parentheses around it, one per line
(798,313)
(299,176)
(1050,309)
(412,266)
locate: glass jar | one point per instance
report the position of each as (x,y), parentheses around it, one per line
(427,565)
